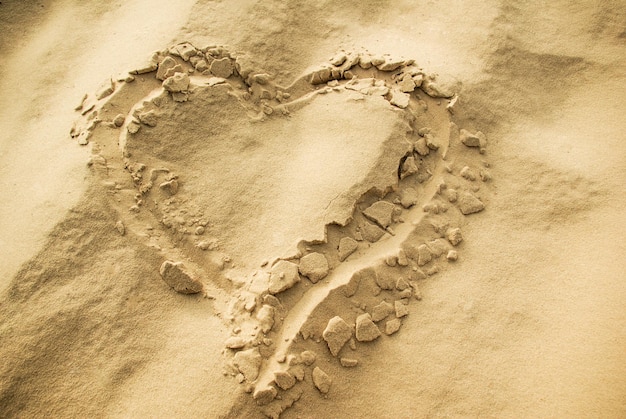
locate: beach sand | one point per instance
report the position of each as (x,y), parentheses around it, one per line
(263,209)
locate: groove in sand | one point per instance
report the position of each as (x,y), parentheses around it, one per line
(342,274)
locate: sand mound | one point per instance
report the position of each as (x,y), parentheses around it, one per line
(214,164)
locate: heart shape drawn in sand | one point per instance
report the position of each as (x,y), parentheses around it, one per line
(353,177)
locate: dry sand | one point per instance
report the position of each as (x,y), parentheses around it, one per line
(300,218)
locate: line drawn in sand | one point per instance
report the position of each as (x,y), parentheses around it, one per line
(358,179)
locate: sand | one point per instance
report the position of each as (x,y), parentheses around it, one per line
(263,209)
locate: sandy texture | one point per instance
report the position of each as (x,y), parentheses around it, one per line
(263,209)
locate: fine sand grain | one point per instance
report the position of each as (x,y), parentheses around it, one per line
(264,209)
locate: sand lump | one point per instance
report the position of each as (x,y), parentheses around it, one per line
(347,246)
(381,213)
(392,326)
(283,276)
(248,363)
(381,311)
(367,200)
(366,329)
(337,334)
(321,380)
(179,278)
(314,266)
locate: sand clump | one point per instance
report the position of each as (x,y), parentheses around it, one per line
(179,278)
(470,204)
(283,276)
(248,362)
(337,334)
(265,395)
(265,316)
(381,311)
(454,236)
(380,212)
(349,362)
(392,326)
(314,266)
(284,380)
(346,247)
(321,380)
(401,308)
(308,357)
(474,140)
(366,329)
(371,232)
